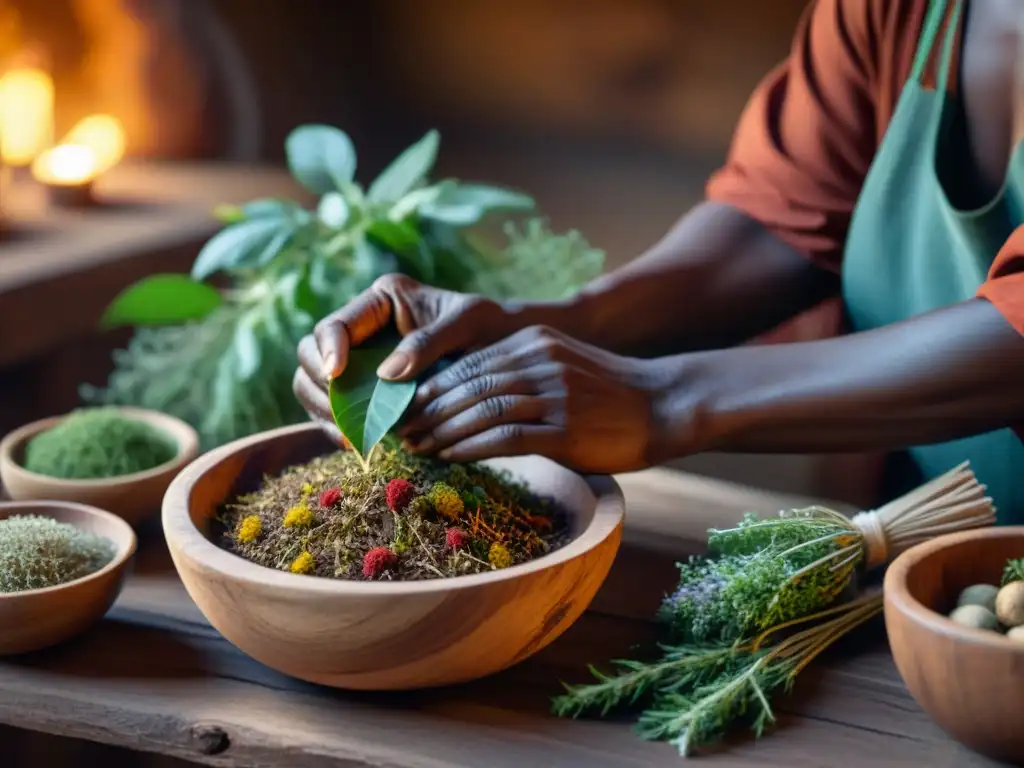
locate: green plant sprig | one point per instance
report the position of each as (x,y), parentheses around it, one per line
(763,573)
(1013,571)
(697,693)
(223,360)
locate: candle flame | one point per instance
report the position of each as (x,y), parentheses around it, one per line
(66,165)
(104,135)
(26,115)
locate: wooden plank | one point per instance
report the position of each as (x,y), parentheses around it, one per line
(156,677)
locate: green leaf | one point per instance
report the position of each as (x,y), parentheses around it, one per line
(403,239)
(333,210)
(364,407)
(397,236)
(387,406)
(238,243)
(463,205)
(246,348)
(321,158)
(165,299)
(406,171)
(412,202)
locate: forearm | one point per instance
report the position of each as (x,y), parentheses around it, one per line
(717,279)
(937,377)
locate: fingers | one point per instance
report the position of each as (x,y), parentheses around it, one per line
(459,322)
(495,359)
(349,326)
(489,413)
(487,385)
(311,362)
(507,440)
(314,399)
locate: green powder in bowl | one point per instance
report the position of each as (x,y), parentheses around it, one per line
(94,443)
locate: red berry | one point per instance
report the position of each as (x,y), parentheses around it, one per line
(455,538)
(330,497)
(399,493)
(378,560)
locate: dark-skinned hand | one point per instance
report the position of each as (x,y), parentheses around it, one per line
(540,392)
(432,322)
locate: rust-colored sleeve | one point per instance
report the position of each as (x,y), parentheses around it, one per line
(1005,284)
(810,130)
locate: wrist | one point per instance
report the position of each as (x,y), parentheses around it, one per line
(684,414)
(571,316)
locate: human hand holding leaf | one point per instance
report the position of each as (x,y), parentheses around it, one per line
(365,407)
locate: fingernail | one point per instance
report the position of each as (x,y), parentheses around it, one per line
(426,445)
(329,364)
(393,366)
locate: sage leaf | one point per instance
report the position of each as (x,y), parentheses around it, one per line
(246,348)
(397,236)
(406,171)
(366,408)
(463,205)
(320,157)
(333,210)
(164,299)
(238,243)
(387,406)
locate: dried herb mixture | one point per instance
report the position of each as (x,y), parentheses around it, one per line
(405,518)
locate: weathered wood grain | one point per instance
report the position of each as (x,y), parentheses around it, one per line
(155,219)
(155,677)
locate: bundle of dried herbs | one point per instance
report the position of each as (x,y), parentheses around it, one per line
(394,516)
(761,579)
(697,692)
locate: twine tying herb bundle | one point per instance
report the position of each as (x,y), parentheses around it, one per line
(733,617)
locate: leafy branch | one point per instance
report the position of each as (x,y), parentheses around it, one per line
(697,692)
(223,359)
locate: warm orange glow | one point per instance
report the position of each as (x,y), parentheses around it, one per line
(104,135)
(66,165)
(26,115)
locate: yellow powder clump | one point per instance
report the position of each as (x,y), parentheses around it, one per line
(299,516)
(250,529)
(446,501)
(304,563)
(499,556)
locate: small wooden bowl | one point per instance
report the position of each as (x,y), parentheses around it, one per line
(384,635)
(132,497)
(971,681)
(39,618)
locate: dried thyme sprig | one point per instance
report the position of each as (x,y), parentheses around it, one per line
(700,692)
(762,573)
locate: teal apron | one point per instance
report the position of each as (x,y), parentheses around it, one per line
(910,251)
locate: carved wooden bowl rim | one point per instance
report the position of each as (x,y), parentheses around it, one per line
(185,536)
(182,434)
(899,598)
(110,526)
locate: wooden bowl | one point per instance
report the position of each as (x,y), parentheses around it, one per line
(971,681)
(132,497)
(384,635)
(39,618)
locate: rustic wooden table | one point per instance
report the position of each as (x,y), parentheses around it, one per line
(155,677)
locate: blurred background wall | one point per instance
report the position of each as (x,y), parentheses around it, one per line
(610,112)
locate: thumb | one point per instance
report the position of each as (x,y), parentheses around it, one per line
(349,326)
(421,348)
